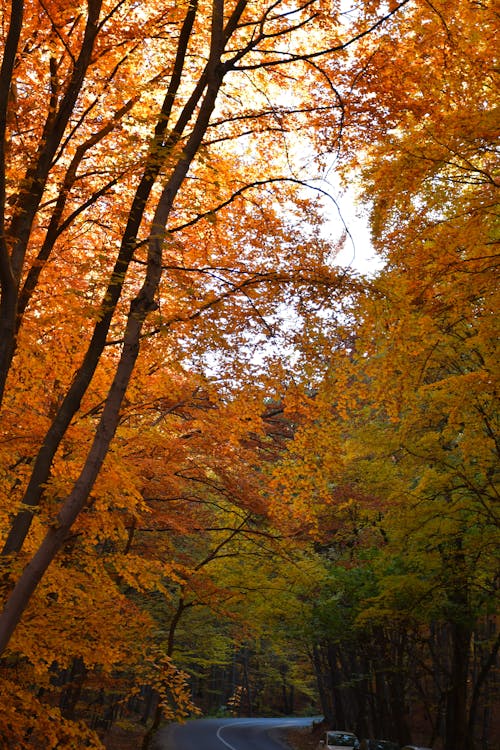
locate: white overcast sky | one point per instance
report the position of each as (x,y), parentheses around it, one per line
(358,252)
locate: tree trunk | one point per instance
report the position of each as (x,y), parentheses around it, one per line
(71,692)
(325,696)
(481,679)
(456,698)
(143,303)
(71,402)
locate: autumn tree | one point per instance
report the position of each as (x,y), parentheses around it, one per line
(151,580)
(438,227)
(400,452)
(157,217)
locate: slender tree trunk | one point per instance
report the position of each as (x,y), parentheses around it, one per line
(479,684)
(71,402)
(140,307)
(336,679)
(71,692)
(8,286)
(28,199)
(57,534)
(325,696)
(456,698)
(460,634)
(247,688)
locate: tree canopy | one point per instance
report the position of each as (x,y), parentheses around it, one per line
(395,471)
(198,406)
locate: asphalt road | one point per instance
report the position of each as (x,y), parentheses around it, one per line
(226,734)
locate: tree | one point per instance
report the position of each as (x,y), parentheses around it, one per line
(120,193)
(433,181)
(163,555)
(400,451)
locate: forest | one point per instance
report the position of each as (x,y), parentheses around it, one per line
(238,476)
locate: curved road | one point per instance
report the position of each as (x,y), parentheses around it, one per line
(226,734)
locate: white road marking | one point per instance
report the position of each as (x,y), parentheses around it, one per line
(227,744)
(250,724)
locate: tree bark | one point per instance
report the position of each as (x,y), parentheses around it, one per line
(12,255)
(83,377)
(456,697)
(140,307)
(8,291)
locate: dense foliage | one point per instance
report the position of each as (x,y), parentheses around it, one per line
(233,476)
(399,459)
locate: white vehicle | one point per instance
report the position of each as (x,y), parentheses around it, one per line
(338,740)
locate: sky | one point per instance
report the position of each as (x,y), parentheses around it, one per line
(358,252)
